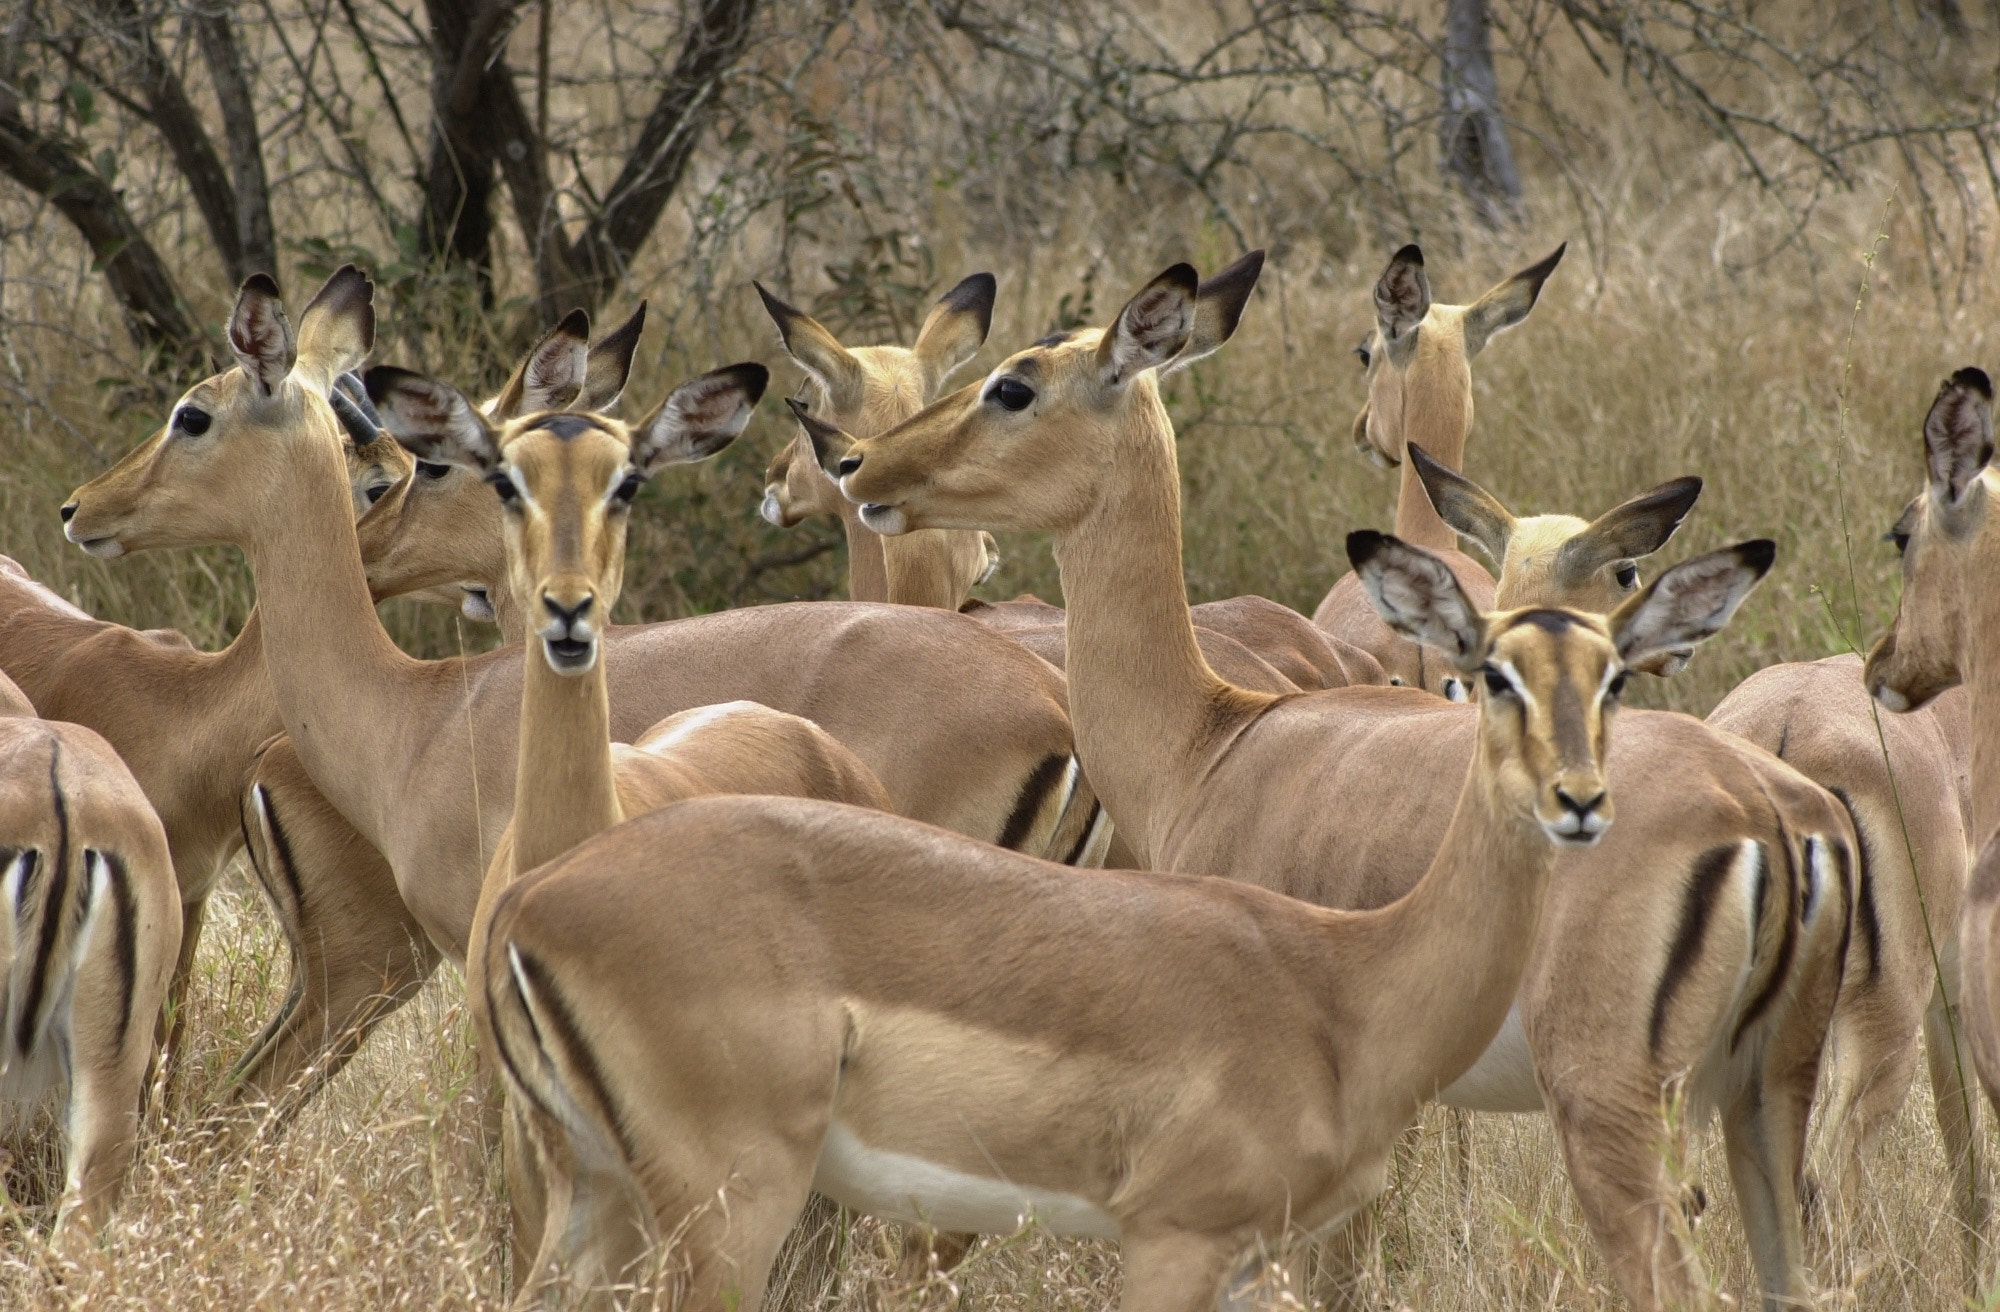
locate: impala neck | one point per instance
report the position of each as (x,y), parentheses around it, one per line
(867,571)
(922,568)
(1979,667)
(342,687)
(565,790)
(1443,963)
(1142,700)
(1437,415)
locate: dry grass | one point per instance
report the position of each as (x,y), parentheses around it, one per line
(1663,346)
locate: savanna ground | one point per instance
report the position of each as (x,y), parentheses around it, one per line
(1780,340)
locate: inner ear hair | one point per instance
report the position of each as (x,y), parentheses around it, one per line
(1152,328)
(1958,433)
(1691,602)
(1632,529)
(1469,508)
(1417,595)
(1402,294)
(432,420)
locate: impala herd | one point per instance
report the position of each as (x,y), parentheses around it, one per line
(1144,921)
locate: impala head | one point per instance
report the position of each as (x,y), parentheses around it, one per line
(865,390)
(203,478)
(1560,560)
(441,537)
(1549,678)
(565,482)
(1943,536)
(1029,446)
(1419,354)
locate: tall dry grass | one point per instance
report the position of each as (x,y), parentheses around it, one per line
(1690,330)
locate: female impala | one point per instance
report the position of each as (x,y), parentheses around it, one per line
(1419,362)
(932,1030)
(89,926)
(962,728)
(1690,950)
(1946,632)
(1815,717)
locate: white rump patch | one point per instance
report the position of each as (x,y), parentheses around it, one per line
(903,1188)
(1503,1079)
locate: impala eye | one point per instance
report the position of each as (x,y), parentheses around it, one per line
(1012,394)
(1627,575)
(505,487)
(1901,538)
(629,489)
(377,492)
(425,469)
(1497,684)
(192,420)
(1616,688)
(1362,354)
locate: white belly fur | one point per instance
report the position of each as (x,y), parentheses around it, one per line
(1503,1079)
(903,1188)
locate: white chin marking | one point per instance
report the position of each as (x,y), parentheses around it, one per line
(773,514)
(104,548)
(886,520)
(1891,699)
(1573,832)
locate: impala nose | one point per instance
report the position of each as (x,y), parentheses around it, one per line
(567,617)
(568,639)
(69,512)
(847,465)
(1584,819)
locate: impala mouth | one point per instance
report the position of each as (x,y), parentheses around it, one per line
(773,513)
(886,520)
(1890,699)
(104,548)
(570,655)
(1575,830)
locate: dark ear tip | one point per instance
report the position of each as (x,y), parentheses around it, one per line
(382,379)
(575,324)
(265,285)
(799,408)
(973,290)
(1410,254)
(1181,276)
(776,308)
(1758,554)
(750,376)
(1975,379)
(1364,544)
(1424,460)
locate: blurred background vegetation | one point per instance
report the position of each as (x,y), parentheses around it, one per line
(1733,177)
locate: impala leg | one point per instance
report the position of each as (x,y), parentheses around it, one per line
(172,1028)
(527,1187)
(1957,1107)
(103,1132)
(1876,1058)
(1764,1130)
(1176,1272)
(357,953)
(808,1266)
(1615,1166)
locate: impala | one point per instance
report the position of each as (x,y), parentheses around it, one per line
(962,728)
(1419,361)
(89,926)
(1693,949)
(1815,716)
(929,1029)
(1946,631)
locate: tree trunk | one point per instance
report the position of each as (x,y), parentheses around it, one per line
(467,37)
(254,232)
(155,314)
(1473,137)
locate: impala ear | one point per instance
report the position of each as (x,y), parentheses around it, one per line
(829,443)
(260,335)
(1153,328)
(1402,294)
(1418,596)
(955,329)
(1469,508)
(337,328)
(1218,308)
(818,352)
(700,417)
(609,364)
(1958,434)
(433,420)
(1507,303)
(550,374)
(1637,528)
(1691,602)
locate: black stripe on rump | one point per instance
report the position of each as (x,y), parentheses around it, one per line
(1035,790)
(51,925)
(1697,909)
(1788,944)
(1864,901)
(1083,838)
(578,1054)
(126,925)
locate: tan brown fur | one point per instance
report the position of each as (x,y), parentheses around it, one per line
(1209,1066)
(1419,363)
(950,747)
(1336,797)
(90,928)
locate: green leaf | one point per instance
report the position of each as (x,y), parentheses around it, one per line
(82,101)
(106,160)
